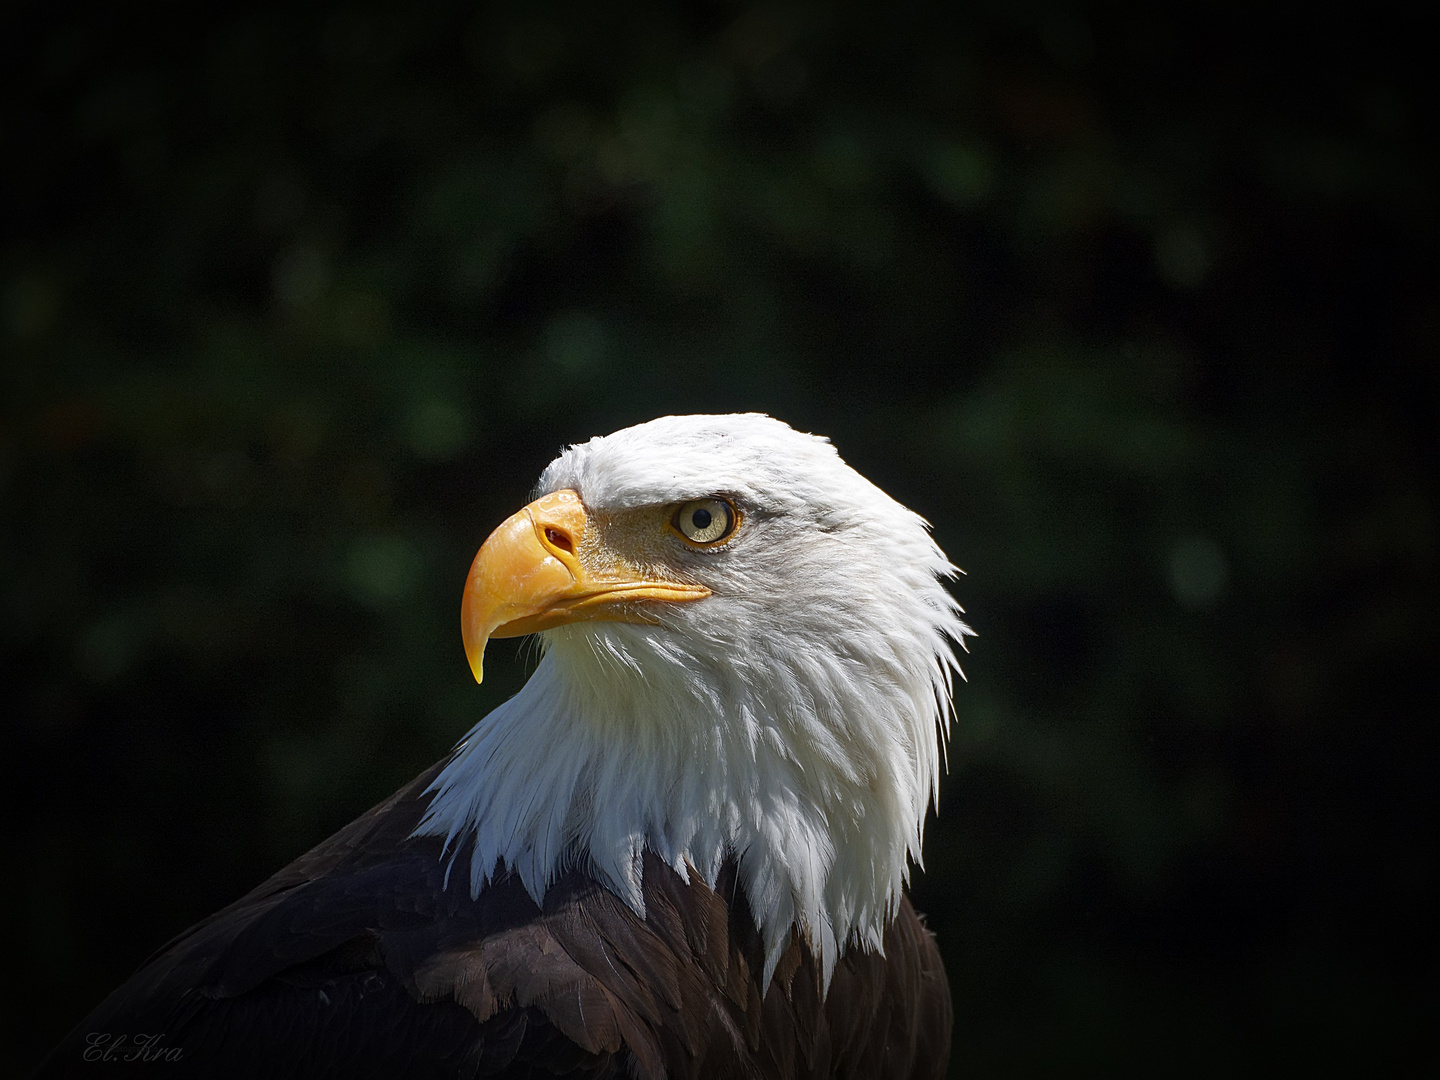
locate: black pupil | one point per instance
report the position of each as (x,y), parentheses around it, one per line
(701,520)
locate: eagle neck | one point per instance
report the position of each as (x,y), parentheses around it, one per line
(816,786)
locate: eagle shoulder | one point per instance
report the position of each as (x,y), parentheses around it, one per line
(361,959)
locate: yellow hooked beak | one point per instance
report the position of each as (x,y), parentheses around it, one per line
(533,574)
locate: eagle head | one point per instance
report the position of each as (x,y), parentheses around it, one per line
(747,655)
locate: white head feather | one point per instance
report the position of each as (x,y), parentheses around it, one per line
(793,720)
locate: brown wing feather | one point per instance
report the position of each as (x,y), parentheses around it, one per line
(356,960)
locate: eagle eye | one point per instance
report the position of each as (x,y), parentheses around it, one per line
(706,521)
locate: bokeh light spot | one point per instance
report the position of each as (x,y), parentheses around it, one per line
(1198,572)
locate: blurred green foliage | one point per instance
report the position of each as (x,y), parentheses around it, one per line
(1137,306)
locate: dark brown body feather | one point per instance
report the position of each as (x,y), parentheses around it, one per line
(357,961)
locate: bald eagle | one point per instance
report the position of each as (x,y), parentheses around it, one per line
(679,851)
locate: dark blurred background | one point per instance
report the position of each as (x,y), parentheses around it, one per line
(1138,307)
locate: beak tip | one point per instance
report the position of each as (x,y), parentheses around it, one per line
(476,659)
(474,643)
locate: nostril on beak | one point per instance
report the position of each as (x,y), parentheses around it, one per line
(560,540)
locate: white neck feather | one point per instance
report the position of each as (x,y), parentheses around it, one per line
(812,768)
